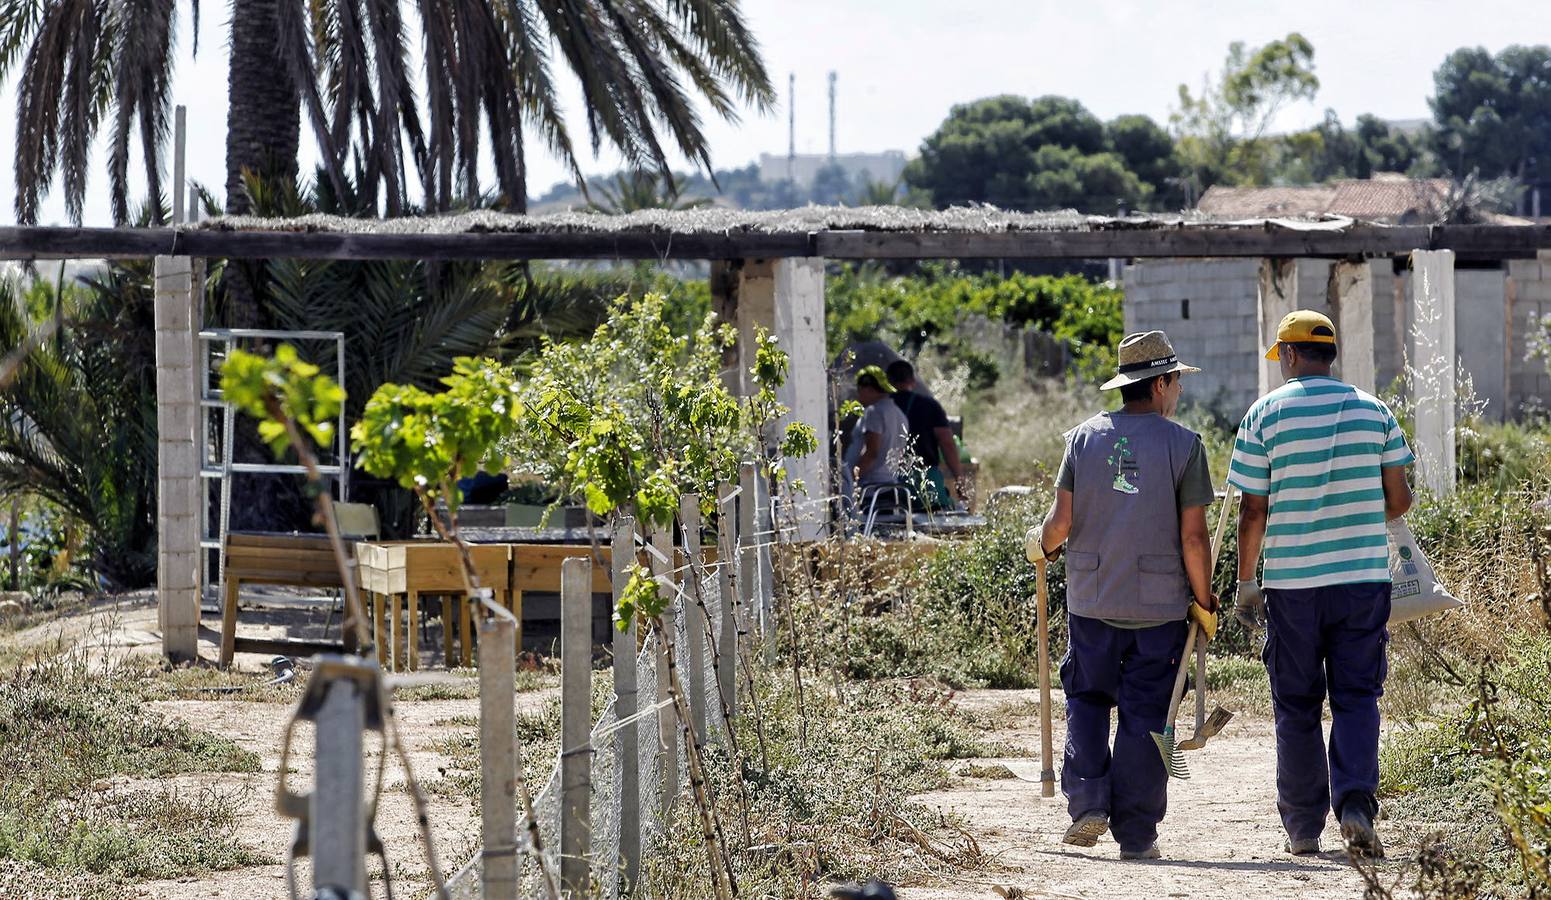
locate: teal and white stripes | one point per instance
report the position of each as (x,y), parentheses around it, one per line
(1316,447)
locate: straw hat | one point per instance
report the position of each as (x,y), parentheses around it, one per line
(1145,355)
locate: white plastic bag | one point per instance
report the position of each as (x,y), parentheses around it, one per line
(1417,592)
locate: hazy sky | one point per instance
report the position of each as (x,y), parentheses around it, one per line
(903,63)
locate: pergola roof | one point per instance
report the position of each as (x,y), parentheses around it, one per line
(719,233)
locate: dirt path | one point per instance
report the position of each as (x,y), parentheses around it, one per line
(1221,840)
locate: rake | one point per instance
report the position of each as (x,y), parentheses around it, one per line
(1206,726)
(1173,759)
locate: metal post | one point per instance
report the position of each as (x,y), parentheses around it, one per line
(727,581)
(337,824)
(696,620)
(498,757)
(667,718)
(179,139)
(575,724)
(622,556)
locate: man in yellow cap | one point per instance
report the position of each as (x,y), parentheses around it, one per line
(1322,468)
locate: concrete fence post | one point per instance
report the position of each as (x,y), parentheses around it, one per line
(621,558)
(667,717)
(1277,296)
(1432,366)
(696,621)
(498,757)
(764,570)
(177,314)
(1350,295)
(727,584)
(575,725)
(336,820)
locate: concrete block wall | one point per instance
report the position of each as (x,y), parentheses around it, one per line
(1529,385)
(1219,334)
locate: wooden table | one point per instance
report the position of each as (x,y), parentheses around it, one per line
(395,573)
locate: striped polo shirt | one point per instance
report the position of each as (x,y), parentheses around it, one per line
(1315,446)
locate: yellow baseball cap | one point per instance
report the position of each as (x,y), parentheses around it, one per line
(1302,326)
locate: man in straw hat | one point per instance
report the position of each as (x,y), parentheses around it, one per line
(1131,497)
(1322,466)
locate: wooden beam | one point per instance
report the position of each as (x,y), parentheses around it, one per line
(1478,242)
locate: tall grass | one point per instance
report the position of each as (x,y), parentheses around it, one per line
(75,735)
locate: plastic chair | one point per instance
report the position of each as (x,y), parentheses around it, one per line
(357,522)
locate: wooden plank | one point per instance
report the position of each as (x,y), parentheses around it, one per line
(319,542)
(282,647)
(1193,240)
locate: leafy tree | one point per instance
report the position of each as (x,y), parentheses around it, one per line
(1329,150)
(1222,129)
(1147,150)
(1493,113)
(1045,153)
(831,186)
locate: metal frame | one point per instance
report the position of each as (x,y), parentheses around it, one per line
(210,398)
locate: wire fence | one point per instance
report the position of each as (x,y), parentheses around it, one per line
(701,596)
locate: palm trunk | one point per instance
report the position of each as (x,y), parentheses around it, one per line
(263,131)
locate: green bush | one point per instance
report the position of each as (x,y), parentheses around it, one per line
(923,309)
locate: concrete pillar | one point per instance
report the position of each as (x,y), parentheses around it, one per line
(178,316)
(1432,366)
(1350,295)
(1277,296)
(786,297)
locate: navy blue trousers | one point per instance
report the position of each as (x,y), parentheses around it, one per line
(1326,642)
(1132,671)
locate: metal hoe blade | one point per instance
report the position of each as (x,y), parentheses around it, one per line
(1173,760)
(1208,729)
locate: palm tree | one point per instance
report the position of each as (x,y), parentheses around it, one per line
(83,63)
(632,191)
(348,65)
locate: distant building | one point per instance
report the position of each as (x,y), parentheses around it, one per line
(885,167)
(1386,197)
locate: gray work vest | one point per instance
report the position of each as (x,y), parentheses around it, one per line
(1123,557)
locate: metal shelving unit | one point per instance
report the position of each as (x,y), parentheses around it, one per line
(219,468)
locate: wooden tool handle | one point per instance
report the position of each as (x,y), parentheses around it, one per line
(1179,677)
(1200,680)
(1222,530)
(1046,744)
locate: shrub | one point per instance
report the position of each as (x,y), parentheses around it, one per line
(923,309)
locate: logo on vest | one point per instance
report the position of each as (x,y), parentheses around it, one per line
(1124,462)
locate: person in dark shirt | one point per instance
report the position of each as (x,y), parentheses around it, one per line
(930,437)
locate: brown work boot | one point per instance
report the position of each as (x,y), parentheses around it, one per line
(1361,838)
(1152,852)
(1302,846)
(1087,829)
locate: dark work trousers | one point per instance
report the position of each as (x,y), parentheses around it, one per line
(1131,670)
(1326,641)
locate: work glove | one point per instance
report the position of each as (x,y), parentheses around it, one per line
(1250,608)
(1034,546)
(1205,617)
